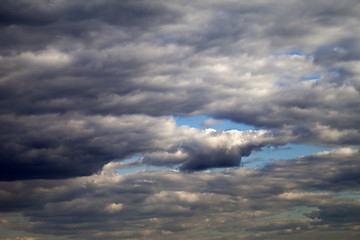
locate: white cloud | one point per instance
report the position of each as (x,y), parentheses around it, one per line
(210,122)
(114,207)
(50,57)
(85,85)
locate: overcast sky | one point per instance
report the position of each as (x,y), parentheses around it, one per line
(179,119)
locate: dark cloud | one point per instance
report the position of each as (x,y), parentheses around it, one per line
(336,213)
(91,58)
(210,158)
(86,85)
(70,145)
(32,25)
(150,204)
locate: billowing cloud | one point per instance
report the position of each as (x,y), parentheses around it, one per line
(88,88)
(292,197)
(162,58)
(64,63)
(69,145)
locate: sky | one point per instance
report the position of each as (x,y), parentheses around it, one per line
(179,119)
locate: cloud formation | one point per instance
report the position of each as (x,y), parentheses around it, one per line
(87,85)
(70,145)
(171,204)
(63,60)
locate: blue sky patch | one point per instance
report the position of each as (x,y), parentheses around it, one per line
(289,151)
(307,78)
(290,53)
(200,122)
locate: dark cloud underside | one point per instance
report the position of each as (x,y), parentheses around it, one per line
(86,85)
(173,205)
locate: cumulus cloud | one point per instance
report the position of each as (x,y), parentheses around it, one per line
(84,86)
(58,146)
(313,190)
(114,207)
(159,58)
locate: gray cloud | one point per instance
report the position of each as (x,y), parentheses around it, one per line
(69,145)
(86,85)
(112,68)
(92,74)
(161,203)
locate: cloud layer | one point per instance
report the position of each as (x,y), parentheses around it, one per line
(63,61)
(287,198)
(87,85)
(70,145)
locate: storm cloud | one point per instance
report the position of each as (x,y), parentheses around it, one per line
(170,204)
(70,145)
(92,88)
(110,59)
